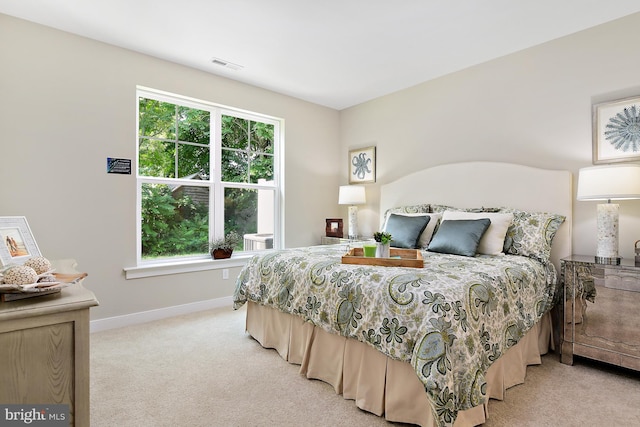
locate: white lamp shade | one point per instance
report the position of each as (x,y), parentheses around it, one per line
(609,182)
(351,195)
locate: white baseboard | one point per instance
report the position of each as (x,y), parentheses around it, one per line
(160,313)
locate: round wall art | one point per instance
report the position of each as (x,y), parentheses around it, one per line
(616,131)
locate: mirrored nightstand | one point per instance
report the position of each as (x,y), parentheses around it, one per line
(601,311)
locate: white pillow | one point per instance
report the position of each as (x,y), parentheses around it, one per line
(427,234)
(492,242)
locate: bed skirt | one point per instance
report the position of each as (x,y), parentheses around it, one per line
(379,384)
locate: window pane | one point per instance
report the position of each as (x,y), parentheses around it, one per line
(234,166)
(156,158)
(193,161)
(261,167)
(235,133)
(261,137)
(157,119)
(250,214)
(174,220)
(193,125)
(176,143)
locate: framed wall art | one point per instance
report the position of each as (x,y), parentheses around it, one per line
(18,244)
(616,131)
(362,165)
(334,227)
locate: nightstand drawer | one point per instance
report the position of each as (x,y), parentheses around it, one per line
(622,279)
(600,308)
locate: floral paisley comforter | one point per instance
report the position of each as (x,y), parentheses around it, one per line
(451,319)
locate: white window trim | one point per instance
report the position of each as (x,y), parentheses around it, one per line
(185,266)
(193,264)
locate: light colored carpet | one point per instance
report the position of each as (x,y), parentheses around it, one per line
(202,369)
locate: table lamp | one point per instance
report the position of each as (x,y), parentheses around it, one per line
(609,182)
(352,195)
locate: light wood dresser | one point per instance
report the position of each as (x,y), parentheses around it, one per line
(601,311)
(44,351)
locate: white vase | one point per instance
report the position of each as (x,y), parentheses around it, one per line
(382,250)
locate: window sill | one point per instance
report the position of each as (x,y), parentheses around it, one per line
(161,269)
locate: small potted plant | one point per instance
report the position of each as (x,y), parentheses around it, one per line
(223,247)
(383,243)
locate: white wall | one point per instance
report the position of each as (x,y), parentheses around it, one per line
(532,107)
(67,103)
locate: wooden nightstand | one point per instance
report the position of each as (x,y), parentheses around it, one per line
(601,311)
(44,349)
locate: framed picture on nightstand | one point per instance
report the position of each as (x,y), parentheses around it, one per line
(18,244)
(333,227)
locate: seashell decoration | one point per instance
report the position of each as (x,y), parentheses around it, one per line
(20,275)
(39,263)
(48,278)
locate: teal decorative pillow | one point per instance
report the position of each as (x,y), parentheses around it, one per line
(425,237)
(406,230)
(531,233)
(459,237)
(492,243)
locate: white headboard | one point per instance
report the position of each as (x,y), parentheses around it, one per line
(489,184)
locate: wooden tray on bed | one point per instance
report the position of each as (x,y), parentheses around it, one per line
(399,258)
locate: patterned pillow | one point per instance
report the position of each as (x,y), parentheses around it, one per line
(442,208)
(423,208)
(531,233)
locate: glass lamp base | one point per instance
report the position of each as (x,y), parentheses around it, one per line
(608,260)
(353,222)
(607,243)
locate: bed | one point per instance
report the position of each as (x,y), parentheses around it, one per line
(427,346)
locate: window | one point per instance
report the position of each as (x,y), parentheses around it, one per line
(202,172)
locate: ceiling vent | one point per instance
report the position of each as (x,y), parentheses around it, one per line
(226,64)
